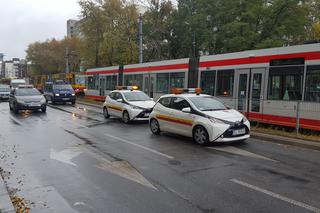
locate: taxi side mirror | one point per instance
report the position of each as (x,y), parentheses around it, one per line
(186,110)
(119,100)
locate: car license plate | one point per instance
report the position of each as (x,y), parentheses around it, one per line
(65,99)
(34,104)
(238,132)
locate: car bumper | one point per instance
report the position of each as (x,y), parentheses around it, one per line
(4,96)
(141,115)
(225,140)
(64,99)
(30,107)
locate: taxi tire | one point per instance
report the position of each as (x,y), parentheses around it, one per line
(106,113)
(153,130)
(44,109)
(200,131)
(125,117)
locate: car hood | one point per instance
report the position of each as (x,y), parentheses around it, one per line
(34,98)
(143,104)
(230,115)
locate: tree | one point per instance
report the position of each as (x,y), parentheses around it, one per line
(50,56)
(109,30)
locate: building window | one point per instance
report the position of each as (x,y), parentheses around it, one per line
(207,82)
(177,80)
(312,92)
(285,83)
(133,80)
(163,82)
(225,82)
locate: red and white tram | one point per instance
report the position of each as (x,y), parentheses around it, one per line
(274,86)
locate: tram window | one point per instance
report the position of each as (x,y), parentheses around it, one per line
(177,80)
(163,82)
(207,82)
(111,82)
(285,83)
(225,82)
(312,93)
(91,83)
(133,80)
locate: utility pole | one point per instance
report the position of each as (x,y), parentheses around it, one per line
(140,40)
(194,45)
(67,60)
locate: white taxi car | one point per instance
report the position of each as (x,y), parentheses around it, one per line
(128,103)
(202,117)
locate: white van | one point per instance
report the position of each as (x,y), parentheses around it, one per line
(16,82)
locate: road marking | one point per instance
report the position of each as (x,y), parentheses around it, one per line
(66,155)
(238,151)
(76,124)
(140,146)
(125,170)
(275,195)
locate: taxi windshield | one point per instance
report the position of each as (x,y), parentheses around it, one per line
(136,96)
(27,92)
(207,103)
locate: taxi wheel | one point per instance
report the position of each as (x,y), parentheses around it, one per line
(15,109)
(154,126)
(105,112)
(126,117)
(200,135)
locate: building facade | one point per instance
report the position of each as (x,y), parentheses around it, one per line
(73,28)
(14,68)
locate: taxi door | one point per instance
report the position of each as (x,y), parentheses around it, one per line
(182,122)
(115,107)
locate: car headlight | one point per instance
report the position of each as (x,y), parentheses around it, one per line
(56,94)
(214,120)
(43,100)
(20,101)
(244,119)
(136,107)
(73,94)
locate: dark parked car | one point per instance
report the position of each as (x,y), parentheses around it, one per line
(27,98)
(59,92)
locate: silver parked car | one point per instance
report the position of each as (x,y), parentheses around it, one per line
(26,97)
(4,92)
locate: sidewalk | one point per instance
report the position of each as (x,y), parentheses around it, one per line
(5,201)
(266,137)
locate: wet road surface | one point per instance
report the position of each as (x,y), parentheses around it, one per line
(71,159)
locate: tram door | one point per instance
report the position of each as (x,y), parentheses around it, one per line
(149,84)
(102,86)
(256,90)
(242,82)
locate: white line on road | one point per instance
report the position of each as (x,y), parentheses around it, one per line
(275,195)
(238,151)
(140,146)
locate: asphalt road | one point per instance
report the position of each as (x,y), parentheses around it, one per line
(71,159)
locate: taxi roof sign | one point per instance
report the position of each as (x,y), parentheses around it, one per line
(127,88)
(187,90)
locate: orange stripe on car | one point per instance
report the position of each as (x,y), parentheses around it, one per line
(114,107)
(175,120)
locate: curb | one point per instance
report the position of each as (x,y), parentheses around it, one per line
(6,205)
(287,141)
(89,104)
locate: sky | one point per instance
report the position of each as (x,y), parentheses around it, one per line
(26,21)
